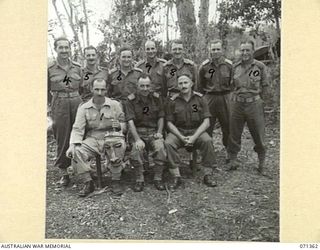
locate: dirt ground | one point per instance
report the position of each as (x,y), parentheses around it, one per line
(243,207)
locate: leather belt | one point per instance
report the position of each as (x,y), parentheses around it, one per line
(248,99)
(67,94)
(218,92)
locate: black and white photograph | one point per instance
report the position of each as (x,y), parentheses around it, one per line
(163,120)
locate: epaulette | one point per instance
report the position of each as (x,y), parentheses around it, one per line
(174,96)
(76,64)
(138,69)
(131,97)
(113,70)
(162,60)
(228,61)
(205,62)
(187,61)
(197,93)
(51,64)
(237,63)
(140,63)
(168,63)
(155,94)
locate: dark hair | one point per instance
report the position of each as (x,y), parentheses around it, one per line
(247,40)
(62,38)
(90,47)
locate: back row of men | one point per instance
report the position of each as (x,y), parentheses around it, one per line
(155,94)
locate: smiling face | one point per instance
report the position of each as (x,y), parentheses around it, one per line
(246,50)
(150,49)
(91,56)
(185,84)
(177,50)
(216,50)
(144,86)
(63,49)
(125,58)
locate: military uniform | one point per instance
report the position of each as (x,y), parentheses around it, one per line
(171,73)
(121,85)
(247,106)
(145,113)
(155,72)
(88,78)
(187,117)
(88,130)
(215,84)
(63,87)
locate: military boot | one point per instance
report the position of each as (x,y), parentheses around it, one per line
(116,187)
(262,160)
(87,189)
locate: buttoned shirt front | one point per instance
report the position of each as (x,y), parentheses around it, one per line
(88,77)
(171,72)
(64,79)
(215,77)
(145,111)
(248,79)
(121,85)
(91,121)
(187,114)
(155,72)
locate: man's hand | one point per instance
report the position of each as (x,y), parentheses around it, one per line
(157,136)
(70,151)
(190,140)
(139,144)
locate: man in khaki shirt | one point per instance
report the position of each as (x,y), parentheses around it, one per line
(64,79)
(96,119)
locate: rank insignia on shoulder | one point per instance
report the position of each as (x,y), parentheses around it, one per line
(131,97)
(76,64)
(205,62)
(138,69)
(228,61)
(197,93)
(188,61)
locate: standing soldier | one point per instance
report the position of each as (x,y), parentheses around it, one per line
(251,84)
(188,118)
(178,65)
(123,80)
(64,79)
(215,84)
(91,72)
(153,66)
(145,116)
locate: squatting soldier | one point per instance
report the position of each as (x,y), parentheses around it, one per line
(188,118)
(91,72)
(145,116)
(64,79)
(94,118)
(175,67)
(251,85)
(153,66)
(215,84)
(123,80)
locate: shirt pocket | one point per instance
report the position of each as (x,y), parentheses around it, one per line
(75,80)
(180,115)
(255,79)
(196,113)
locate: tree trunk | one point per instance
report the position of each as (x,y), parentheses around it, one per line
(276,15)
(203,30)
(86,19)
(58,16)
(187,25)
(167,26)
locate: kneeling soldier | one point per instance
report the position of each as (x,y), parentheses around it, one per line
(96,118)
(187,120)
(145,116)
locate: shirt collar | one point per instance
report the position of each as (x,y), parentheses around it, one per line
(69,64)
(90,104)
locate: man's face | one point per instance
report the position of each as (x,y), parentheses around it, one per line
(91,56)
(99,89)
(177,50)
(184,84)
(216,50)
(246,52)
(125,58)
(63,49)
(150,49)
(144,86)
(115,149)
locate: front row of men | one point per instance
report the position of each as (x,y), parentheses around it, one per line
(100,126)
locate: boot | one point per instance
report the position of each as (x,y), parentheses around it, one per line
(176,182)
(116,187)
(208,181)
(234,164)
(87,189)
(138,187)
(261,163)
(159,185)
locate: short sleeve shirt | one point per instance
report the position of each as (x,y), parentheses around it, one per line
(187,115)
(215,77)
(249,79)
(88,78)
(171,73)
(121,85)
(145,111)
(155,72)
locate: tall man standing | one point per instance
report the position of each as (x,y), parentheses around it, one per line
(178,65)
(188,118)
(153,66)
(91,72)
(251,86)
(215,84)
(64,79)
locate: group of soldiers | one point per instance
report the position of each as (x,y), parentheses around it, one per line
(155,106)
